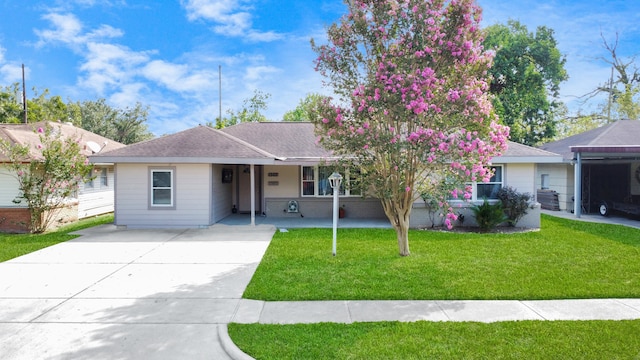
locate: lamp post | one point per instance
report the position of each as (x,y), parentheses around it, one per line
(334,180)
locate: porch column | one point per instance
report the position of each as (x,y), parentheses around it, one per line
(253,195)
(577,185)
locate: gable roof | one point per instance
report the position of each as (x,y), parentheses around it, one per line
(622,136)
(519,153)
(201,144)
(25,134)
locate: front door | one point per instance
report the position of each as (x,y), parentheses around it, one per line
(244,189)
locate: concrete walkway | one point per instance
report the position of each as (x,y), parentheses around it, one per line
(168,294)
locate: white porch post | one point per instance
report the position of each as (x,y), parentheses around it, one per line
(253,195)
(577,185)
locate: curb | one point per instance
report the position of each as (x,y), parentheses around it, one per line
(229,347)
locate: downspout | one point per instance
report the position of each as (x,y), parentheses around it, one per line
(577,186)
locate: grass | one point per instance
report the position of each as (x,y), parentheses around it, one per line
(445,340)
(14,245)
(565,259)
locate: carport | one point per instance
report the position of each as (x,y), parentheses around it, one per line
(599,165)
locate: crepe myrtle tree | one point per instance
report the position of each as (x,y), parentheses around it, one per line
(48,173)
(412,110)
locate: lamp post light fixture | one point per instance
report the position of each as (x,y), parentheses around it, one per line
(334,180)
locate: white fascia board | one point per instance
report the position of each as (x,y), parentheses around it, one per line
(184,160)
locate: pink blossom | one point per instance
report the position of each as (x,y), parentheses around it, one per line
(40,130)
(407,189)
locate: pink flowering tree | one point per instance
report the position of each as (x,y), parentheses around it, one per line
(48,174)
(413,111)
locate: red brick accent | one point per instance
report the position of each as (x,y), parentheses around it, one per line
(14,220)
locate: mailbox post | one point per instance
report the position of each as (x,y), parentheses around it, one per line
(335,180)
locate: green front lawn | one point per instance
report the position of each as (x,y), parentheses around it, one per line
(445,340)
(14,245)
(565,259)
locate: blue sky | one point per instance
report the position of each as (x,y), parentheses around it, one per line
(166,54)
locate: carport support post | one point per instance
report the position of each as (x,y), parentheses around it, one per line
(253,195)
(577,185)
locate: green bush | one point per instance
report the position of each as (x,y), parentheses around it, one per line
(515,204)
(488,216)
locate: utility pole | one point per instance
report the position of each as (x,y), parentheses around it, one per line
(220,94)
(24,97)
(610,96)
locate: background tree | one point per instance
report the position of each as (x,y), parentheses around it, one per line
(413,111)
(306,110)
(48,173)
(251,111)
(525,79)
(126,125)
(622,89)
(11,104)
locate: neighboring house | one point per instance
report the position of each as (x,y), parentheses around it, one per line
(199,176)
(93,197)
(606,161)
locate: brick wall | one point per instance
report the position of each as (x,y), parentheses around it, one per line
(17,220)
(14,220)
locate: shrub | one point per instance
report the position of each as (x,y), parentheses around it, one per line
(515,204)
(488,216)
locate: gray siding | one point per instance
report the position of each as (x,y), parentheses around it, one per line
(192,196)
(221,201)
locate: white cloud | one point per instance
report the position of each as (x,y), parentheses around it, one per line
(232,18)
(10,72)
(176,77)
(67,29)
(110,65)
(258,73)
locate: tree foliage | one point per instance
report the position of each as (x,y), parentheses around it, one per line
(251,111)
(525,80)
(413,111)
(307,109)
(48,173)
(127,125)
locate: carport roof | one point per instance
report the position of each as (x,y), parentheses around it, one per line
(618,139)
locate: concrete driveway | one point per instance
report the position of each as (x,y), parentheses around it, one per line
(128,294)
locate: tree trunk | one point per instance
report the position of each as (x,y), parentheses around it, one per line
(399,218)
(402,231)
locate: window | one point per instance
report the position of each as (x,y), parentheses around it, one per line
(162,188)
(104,178)
(489,189)
(315,182)
(545,181)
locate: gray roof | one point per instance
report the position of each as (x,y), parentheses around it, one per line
(519,153)
(614,137)
(201,144)
(294,143)
(290,141)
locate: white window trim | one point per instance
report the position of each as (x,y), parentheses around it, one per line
(172,204)
(316,187)
(474,195)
